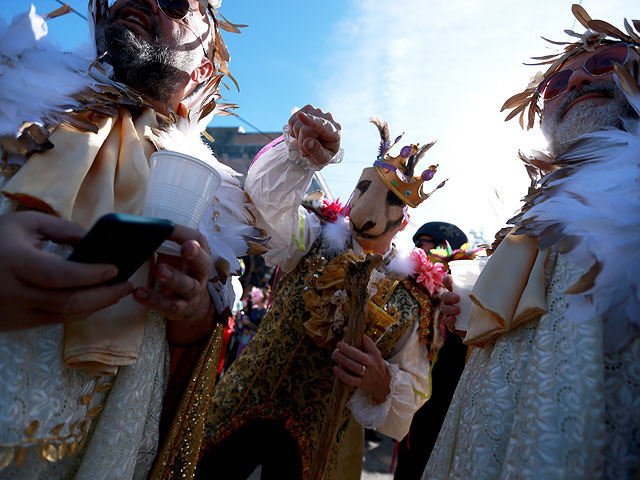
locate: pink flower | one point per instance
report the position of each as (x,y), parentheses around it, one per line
(430,275)
(331,210)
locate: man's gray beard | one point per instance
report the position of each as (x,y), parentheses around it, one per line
(156,71)
(562,131)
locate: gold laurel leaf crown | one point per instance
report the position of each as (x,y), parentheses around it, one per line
(598,33)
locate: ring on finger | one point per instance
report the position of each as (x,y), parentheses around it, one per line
(364,368)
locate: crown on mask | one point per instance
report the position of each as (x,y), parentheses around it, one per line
(398,172)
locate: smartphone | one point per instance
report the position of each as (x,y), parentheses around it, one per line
(123,240)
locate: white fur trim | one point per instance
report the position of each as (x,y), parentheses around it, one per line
(336,236)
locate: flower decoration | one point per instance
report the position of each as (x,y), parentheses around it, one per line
(331,210)
(430,274)
(447,254)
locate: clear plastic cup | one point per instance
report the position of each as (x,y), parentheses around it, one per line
(465,273)
(179,188)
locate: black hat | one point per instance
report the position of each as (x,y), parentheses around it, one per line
(441,231)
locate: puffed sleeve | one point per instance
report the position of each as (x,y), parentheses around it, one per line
(276,184)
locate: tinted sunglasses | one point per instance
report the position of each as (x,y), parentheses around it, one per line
(175,9)
(178,10)
(600,63)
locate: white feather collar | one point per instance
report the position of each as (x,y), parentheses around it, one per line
(598,204)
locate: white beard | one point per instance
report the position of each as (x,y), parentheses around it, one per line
(562,131)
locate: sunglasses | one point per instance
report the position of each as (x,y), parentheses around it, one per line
(599,64)
(178,10)
(175,9)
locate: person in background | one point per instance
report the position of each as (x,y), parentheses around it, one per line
(258,307)
(415,447)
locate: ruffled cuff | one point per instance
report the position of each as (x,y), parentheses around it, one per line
(304,163)
(373,416)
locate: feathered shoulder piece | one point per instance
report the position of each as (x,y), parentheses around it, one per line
(589,209)
(42,87)
(598,33)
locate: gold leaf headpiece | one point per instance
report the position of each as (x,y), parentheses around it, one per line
(397,172)
(598,32)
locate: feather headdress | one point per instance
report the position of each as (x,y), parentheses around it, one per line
(598,33)
(203,103)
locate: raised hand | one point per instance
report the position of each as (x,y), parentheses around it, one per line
(317,134)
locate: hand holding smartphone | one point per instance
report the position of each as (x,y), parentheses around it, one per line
(123,240)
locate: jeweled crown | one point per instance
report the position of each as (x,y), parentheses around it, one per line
(397,172)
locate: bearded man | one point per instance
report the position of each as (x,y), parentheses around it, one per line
(553,389)
(270,406)
(85,362)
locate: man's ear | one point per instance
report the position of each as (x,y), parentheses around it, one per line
(203,71)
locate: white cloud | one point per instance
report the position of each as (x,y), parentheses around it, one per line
(442,69)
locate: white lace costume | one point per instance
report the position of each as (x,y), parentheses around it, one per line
(558,397)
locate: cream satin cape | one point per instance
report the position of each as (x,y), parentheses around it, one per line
(84,177)
(509,291)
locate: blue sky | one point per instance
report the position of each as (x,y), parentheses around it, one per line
(435,69)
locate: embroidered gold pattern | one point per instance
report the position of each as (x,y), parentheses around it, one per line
(57,446)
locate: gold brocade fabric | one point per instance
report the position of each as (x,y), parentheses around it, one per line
(325,301)
(284,375)
(499,305)
(84,177)
(178,455)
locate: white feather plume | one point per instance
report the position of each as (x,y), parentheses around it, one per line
(336,235)
(402,263)
(49,84)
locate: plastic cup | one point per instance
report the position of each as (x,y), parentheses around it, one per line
(465,273)
(179,188)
